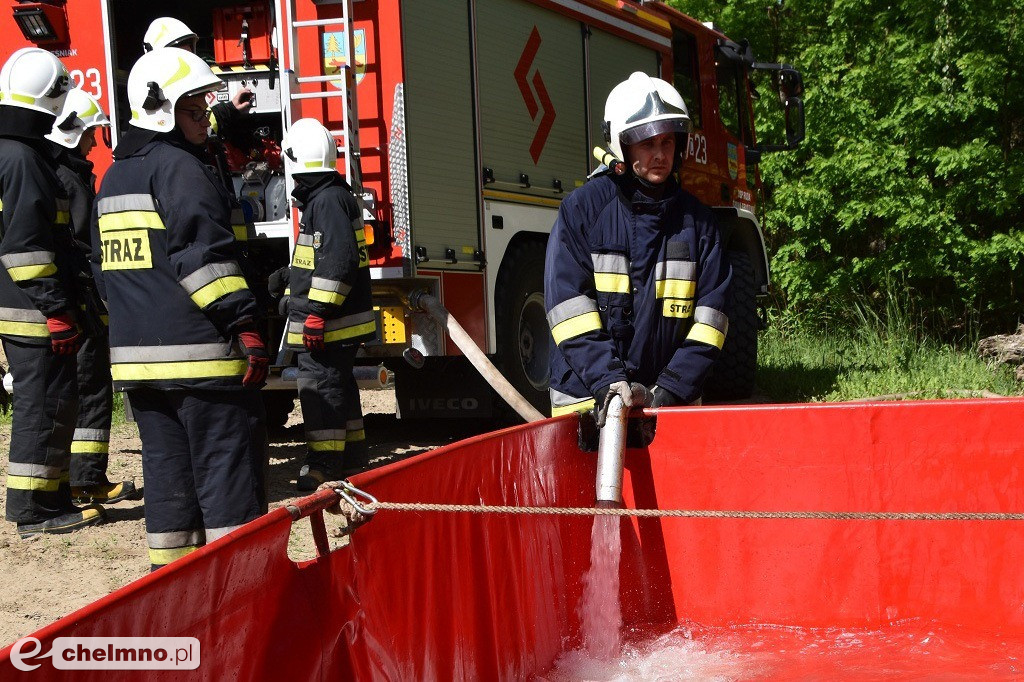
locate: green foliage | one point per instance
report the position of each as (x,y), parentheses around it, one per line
(913,166)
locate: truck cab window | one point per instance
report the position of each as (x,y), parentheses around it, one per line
(685,74)
(732,99)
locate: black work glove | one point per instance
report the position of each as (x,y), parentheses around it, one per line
(277,282)
(662,397)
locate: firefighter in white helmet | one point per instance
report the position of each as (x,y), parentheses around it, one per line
(635,281)
(171,32)
(38,298)
(73,136)
(183,339)
(329,309)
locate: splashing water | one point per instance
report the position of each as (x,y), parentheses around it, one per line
(599,610)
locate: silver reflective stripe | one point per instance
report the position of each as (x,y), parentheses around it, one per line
(566,310)
(197,351)
(21,315)
(349,321)
(610,262)
(17,260)
(305,240)
(559,399)
(330,285)
(675,269)
(34,470)
(354,424)
(208,273)
(237,216)
(101,435)
(62,204)
(712,318)
(126,202)
(216,533)
(326,434)
(175,539)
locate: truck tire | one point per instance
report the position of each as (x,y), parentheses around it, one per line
(521,324)
(732,376)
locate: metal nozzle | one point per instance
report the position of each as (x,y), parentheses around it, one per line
(611,450)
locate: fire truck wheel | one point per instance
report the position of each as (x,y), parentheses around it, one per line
(278,405)
(732,376)
(522,327)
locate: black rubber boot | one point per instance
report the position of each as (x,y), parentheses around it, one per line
(65,523)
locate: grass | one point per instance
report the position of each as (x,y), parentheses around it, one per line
(798,362)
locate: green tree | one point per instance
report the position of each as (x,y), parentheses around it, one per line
(912,173)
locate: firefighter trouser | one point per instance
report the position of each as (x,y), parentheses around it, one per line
(45,405)
(91,442)
(331,413)
(204,455)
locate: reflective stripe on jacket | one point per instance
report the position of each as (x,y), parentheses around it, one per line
(163,239)
(330,274)
(36,248)
(635,290)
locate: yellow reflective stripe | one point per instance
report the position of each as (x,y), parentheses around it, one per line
(706,334)
(320,445)
(79,447)
(23,272)
(24,99)
(675,288)
(63,218)
(303,257)
(611,282)
(24,328)
(354,436)
(574,326)
(197,369)
(349,332)
(162,557)
(575,407)
(126,220)
(241,232)
(326,296)
(218,288)
(32,483)
(361,237)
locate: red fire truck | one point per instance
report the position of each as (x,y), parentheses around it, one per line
(463,124)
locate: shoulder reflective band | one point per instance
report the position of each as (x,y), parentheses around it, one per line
(329,291)
(214,281)
(611,273)
(574,317)
(29,265)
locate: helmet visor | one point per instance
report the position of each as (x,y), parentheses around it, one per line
(649,129)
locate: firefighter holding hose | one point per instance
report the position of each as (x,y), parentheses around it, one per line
(635,280)
(183,337)
(329,309)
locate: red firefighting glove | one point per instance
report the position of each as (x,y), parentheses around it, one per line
(313,333)
(256,354)
(65,338)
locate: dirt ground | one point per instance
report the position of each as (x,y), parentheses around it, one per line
(47,577)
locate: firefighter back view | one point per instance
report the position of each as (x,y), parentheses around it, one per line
(183,341)
(329,309)
(37,299)
(73,136)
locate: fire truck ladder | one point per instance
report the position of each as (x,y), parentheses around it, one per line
(347,93)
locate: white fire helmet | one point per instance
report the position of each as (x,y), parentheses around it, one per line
(168,32)
(641,107)
(34,79)
(159,79)
(309,147)
(80,113)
